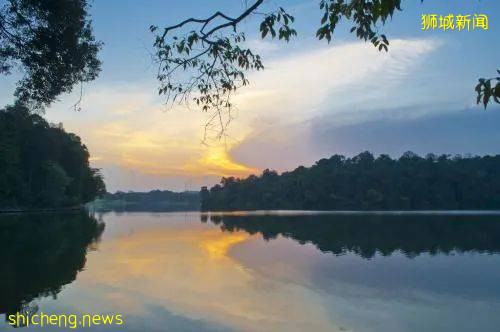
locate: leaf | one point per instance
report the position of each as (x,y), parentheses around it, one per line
(324,18)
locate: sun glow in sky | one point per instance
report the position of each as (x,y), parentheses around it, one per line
(311,101)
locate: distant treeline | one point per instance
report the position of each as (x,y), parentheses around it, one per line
(367,183)
(155,200)
(41,165)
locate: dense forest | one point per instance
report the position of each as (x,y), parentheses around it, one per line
(41,165)
(155,200)
(364,182)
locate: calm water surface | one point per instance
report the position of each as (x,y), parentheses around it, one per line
(256,272)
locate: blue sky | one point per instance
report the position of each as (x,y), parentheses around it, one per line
(312,101)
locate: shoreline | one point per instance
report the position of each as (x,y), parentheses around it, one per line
(21,210)
(267,212)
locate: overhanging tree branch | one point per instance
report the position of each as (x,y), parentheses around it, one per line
(207,64)
(211,53)
(53,45)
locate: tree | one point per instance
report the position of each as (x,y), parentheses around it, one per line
(367,183)
(53,183)
(42,165)
(204,197)
(211,50)
(51,41)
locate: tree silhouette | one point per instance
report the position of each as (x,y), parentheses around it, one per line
(51,41)
(42,165)
(364,182)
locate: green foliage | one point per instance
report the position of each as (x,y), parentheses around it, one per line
(42,165)
(367,183)
(487,90)
(214,57)
(282,18)
(365,15)
(52,42)
(53,183)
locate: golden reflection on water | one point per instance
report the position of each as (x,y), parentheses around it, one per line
(189,271)
(218,248)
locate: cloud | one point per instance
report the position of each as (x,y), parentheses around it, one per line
(452,132)
(126,125)
(330,79)
(341,85)
(263,47)
(129,129)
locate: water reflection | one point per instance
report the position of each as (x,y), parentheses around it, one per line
(40,254)
(258,272)
(368,234)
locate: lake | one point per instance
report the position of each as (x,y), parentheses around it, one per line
(261,271)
